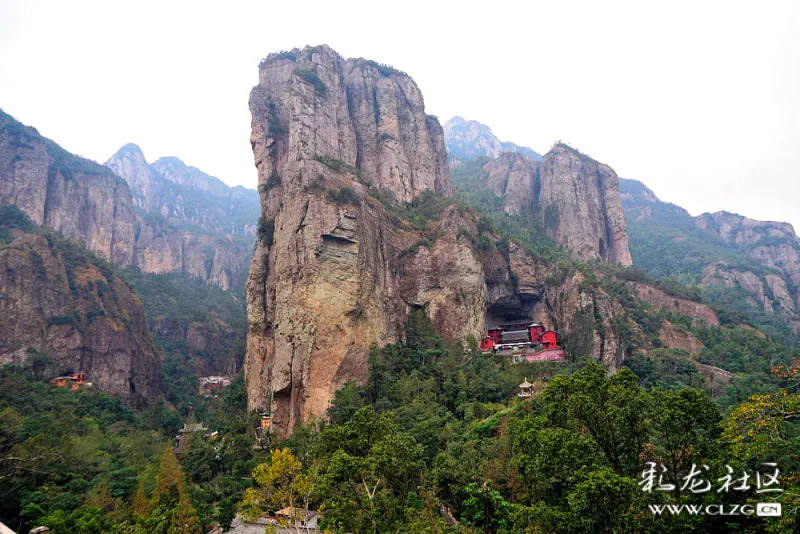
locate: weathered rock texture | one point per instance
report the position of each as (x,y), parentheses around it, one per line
(188,221)
(514,178)
(775,246)
(71,195)
(334,272)
(581,208)
(660,300)
(199,226)
(55,300)
(677,338)
(575,198)
(467,140)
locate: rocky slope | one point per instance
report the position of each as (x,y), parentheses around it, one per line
(341,145)
(188,221)
(574,198)
(71,195)
(64,310)
(186,196)
(748,265)
(468,140)
(198,227)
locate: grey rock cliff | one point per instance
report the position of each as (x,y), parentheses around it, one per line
(575,198)
(188,221)
(581,207)
(74,196)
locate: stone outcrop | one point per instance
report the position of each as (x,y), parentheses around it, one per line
(513,177)
(335,271)
(145,183)
(773,244)
(576,199)
(660,300)
(581,208)
(61,311)
(74,196)
(468,140)
(677,338)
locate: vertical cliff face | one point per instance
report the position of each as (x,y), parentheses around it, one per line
(334,271)
(323,284)
(188,221)
(581,207)
(63,311)
(576,199)
(514,178)
(71,195)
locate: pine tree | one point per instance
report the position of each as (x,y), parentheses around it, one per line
(169,475)
(171,497)
(140,505)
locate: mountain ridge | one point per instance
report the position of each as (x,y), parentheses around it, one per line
(745,264)
(470,139)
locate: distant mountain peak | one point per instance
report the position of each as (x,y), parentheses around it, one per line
(470,139)
(130,147)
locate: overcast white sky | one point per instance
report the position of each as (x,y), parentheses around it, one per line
(699,100)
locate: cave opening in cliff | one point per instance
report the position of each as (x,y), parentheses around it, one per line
(510,311)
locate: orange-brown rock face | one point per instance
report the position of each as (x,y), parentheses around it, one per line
(326,281)
(333,272)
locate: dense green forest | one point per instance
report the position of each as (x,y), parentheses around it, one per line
(77,461)
(434,426)
(174,304)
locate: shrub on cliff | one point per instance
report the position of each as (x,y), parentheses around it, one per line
(344,195)
(311,76)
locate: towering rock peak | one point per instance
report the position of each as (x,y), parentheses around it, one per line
(581,206)
(129,162)
(74,196)
(312,104)
(175,170)
(131,147)
(575,198)
(468,140)
(336,269)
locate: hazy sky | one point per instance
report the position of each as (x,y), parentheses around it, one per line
(699,100)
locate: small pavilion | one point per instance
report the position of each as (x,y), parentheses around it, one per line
(525,389)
